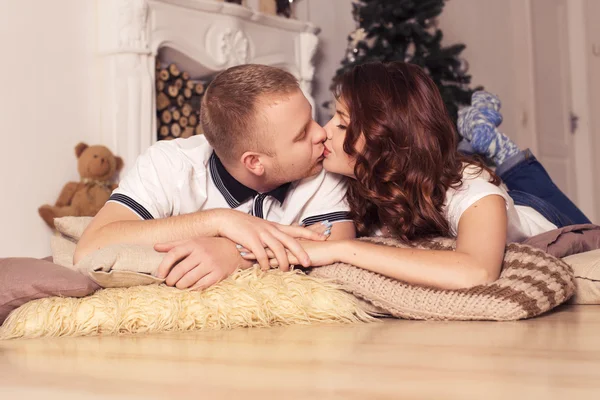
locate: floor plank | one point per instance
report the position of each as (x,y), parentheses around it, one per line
(549,357)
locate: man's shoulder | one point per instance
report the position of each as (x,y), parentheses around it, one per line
(321,182)
(194,151)
(196,143)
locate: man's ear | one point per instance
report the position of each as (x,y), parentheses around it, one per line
(252,162)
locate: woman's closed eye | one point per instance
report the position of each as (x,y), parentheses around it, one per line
(342,127)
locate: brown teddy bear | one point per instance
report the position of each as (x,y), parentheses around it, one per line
(97,167)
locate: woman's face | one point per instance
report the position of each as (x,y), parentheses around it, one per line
(336,159)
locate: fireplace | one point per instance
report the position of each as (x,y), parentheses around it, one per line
(202,37)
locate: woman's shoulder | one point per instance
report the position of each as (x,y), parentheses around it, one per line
(473,178)
(476,184)
(472,171)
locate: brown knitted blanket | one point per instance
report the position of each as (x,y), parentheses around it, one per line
(531,283)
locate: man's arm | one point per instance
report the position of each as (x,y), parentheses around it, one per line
(148,190)
(329,205)
(116,223)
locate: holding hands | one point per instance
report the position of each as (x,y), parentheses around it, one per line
(201,262)
(259,236)
(319,252)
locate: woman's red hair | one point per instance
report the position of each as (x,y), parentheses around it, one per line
(409,158)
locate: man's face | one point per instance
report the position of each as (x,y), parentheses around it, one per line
(297,140)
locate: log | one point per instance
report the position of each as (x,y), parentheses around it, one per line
(183,121)
(162,101)
(179,83)
(186,110)
(199,88)
(185,75)
(180,100)
(198,129)
(187,132)
(160,85)
(176,114)
(173,91)
(187,93)
(173,70)
(163,131)
(175,130)
(193,120)
(190,85)
(164,75)
(166,117)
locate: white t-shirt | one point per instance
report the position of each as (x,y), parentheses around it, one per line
(523,221)
(184,175)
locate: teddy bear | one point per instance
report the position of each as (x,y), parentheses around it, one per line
(97,167)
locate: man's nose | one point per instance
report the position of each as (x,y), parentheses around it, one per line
(321,135)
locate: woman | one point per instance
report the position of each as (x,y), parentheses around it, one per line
(393,138)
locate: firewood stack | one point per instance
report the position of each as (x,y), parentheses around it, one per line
(178,101)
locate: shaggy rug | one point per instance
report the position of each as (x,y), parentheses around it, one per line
(249,298)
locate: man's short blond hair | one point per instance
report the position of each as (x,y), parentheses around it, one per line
(230,111)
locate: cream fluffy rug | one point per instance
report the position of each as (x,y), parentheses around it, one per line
(249,298)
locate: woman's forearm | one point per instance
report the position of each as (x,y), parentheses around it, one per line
(442,269)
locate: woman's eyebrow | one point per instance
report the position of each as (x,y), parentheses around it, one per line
(343,114)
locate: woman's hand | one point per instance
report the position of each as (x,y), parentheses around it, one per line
(259,236)
(320,253)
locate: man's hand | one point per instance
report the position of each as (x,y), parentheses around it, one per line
(199,263)
(257,235)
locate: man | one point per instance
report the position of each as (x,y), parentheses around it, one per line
(257,171)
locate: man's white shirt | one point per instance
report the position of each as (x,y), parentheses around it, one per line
(183,176)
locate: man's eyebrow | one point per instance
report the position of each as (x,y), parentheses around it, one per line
(302,131)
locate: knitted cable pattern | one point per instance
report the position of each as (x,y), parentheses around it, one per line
(531,283)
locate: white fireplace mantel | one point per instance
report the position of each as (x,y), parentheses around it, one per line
(214,34)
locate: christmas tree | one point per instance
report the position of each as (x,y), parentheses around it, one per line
(406,30)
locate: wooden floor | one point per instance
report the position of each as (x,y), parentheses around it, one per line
(552,357)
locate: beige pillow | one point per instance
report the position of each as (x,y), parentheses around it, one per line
(586,267)
(72,227)
(63,249)
(118,265)
(122,265)
(64,241)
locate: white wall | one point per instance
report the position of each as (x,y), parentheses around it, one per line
(495,33)
(334,17)
(46,107)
